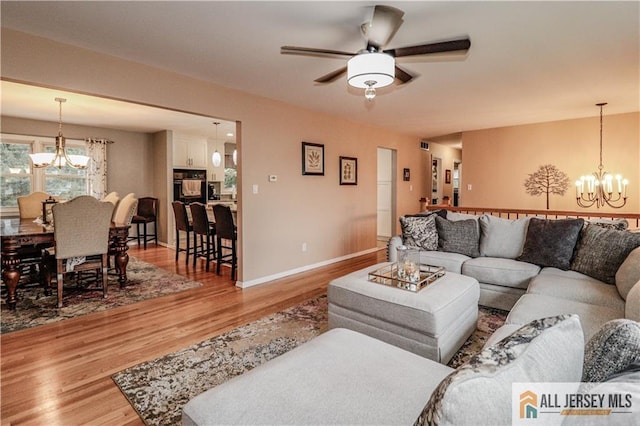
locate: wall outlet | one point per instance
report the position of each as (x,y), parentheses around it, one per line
(304,247)
(469,187)
(255,189)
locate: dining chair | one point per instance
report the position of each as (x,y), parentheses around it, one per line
(30,206)
(123,214)
(112,197)
(182,224)
(147,213)
(226,230)
(205,231)
(81,233)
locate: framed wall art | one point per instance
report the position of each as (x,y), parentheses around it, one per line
(348,171)
(406,175)
(312,159)
(447,176)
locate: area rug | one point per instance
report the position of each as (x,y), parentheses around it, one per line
(145,281)
(158,389)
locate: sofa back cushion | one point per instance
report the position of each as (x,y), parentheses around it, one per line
(545,350)
(601,251)
(551,242)
(502,237)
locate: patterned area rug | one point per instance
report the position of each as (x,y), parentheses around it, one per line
(146,281)
(158,389)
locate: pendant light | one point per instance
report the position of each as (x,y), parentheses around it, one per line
(216,158)
(60,158)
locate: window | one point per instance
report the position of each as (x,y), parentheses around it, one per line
(18,178)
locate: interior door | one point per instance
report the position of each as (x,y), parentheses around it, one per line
(386,193)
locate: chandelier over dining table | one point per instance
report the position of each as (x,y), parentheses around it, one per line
(601,188)
(60,157)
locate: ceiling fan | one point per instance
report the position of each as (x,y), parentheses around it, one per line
(374,66)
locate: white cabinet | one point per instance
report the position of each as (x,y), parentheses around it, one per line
(190,151)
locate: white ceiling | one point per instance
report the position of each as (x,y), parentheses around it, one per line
(528,62)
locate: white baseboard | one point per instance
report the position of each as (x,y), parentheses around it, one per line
(262,280)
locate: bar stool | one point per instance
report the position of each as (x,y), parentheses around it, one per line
(226,230)
(206,231)
(182,224)
(147,213)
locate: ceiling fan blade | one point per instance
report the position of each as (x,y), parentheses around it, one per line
(425,49)
(383,25)
(402,75)
(328,78)
(310,51)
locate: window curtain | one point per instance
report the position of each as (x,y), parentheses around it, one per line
(97,167)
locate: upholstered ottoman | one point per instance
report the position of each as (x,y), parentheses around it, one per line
(433,323)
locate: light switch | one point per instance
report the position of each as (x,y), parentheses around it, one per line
(469,187)
(255,189)
(273,178)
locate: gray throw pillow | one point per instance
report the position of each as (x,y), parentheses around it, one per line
(601,251)
(458,236)
(502,237)
(551,242)
(628,273)
(419,231)
(611,350)
(545,350)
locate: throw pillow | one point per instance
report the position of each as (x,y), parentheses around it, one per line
(458,236)
(441,213)
(619,224)
(628,273)
(502,237)
(551,242)
(545,350)
(611,350)
(419,231)
(601,251)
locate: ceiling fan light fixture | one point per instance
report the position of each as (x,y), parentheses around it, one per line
(371,70)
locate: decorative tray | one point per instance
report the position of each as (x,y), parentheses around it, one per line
(388,275)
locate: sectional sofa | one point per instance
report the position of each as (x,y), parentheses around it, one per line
(344,377)
(535,267)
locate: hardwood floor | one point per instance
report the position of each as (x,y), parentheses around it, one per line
(60,373)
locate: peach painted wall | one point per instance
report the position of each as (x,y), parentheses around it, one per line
(335,221)
(496,162)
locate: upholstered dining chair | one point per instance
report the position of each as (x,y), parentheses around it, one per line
(226,231)
(147,213)
(205,231)
(112,197)
(81,233)
(30,206)
(123,214)
(182,224)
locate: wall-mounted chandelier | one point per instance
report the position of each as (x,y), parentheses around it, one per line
(601,188)
(60,158)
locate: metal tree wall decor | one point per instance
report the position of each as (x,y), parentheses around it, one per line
(547,180)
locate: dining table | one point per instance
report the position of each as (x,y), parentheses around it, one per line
(19,233)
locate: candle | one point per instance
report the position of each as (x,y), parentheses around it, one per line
(619,179)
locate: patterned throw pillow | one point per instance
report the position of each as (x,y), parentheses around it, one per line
(548,349)
(462,236)
(419,231)
(611,350)
(551,242)
(601,251)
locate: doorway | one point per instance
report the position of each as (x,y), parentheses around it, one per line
(386,210)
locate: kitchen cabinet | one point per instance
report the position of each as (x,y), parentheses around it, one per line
(189,151)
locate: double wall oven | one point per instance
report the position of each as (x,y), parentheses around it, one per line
(190,186)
